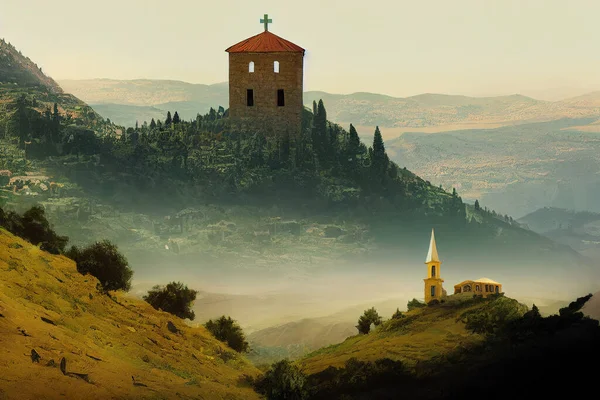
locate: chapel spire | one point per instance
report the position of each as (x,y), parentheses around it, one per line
(432,254)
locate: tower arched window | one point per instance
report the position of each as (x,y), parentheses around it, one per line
(251,66)
(433,291)
(433,271)
(276,66)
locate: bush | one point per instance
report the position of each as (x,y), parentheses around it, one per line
(369,317)
(283,381)
(397,314)
(175,298)
(35,228)
(414,304)
(103,260)
(433,302)
(228,331)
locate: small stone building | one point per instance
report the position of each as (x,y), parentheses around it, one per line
(481,286)
(266,84)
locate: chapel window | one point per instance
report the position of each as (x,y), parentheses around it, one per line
(251,66)
(433,291)
(433,271)
(276,67)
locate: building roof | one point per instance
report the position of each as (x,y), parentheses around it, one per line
(486,280)
(432,254)
(265,42)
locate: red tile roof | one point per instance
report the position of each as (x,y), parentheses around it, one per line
(265,42)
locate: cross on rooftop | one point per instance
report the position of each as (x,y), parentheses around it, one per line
(266,21)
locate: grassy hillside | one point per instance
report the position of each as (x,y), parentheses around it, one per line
(502,344)
(422,334)
(47,306)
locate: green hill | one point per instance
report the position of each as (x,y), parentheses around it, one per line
(419,335)
(21,79)
(449,350)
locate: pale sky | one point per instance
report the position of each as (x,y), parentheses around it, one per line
(395,47)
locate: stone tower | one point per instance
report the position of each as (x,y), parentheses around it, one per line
(265,84)
(433,282)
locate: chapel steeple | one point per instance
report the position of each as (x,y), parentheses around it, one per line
(433,282)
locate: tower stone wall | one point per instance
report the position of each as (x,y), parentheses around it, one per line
(265,115)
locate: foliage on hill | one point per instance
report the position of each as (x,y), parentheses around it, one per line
(175,298)
(206,161)
(228,331)
(369,317)
(103,261)
(523,348)
(47,306)
(18,70)
(35,228)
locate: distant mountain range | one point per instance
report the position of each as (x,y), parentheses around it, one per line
(515,169)
(579,230)
(125,101)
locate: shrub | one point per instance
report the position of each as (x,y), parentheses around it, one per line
(413,304)
(397,314)
(228,331)
(35,228)
(175,298)
(433,302)
(103,260)
(369,317)
(283,381)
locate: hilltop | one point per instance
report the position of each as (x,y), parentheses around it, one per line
(420,334)
(47,306)
(18,70)
(21,78)
(427,112)
(451,349)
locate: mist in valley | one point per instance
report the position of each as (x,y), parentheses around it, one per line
(340,290)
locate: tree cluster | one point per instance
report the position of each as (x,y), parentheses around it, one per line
(35,228)
(228,331)
(175,298)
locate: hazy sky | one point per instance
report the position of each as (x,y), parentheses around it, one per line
(474,47)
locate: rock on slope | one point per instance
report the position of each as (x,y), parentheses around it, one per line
(114,348)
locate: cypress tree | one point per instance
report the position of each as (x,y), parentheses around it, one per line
(379,160)
(353,141)
(169,118)
(176,118)
(152,124)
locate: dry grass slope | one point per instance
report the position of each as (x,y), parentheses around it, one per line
(46,305)
(423,334)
